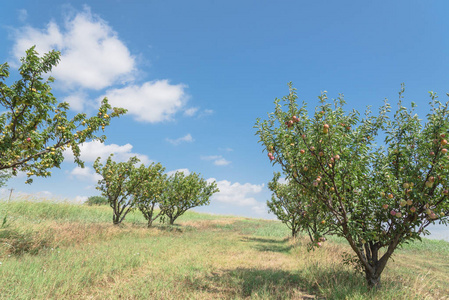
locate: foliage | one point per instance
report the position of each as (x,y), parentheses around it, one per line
(150,193)
(97,200)
(35,129)
(183,192)
(4,176)
(376,197)
(121,184)
(291,206)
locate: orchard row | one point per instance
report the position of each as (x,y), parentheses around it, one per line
(128,186)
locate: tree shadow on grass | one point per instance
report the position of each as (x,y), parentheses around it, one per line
(169,228)
(266,244)
(308,283)
(248,283)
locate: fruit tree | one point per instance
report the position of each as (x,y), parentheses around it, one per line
(150,193)
(34,128)
(122,184)
(377,197)
(292,207)
(183,192)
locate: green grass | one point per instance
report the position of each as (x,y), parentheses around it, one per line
(79,254)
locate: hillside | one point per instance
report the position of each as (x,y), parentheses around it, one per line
(74,252)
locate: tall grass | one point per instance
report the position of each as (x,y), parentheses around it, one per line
(202,257)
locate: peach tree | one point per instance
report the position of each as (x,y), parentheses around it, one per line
(35,128)
(292,207)
(150,193)
(183,192)
(377,196)
(122,184)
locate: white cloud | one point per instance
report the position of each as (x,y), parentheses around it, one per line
(190,112)
(85,174)
(239,195)
(92,55)
(154,101)
(91,150)
(77,101)
(185,171)
(187,138)
(221,162)
(217,159)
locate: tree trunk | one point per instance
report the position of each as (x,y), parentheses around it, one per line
(150,222)
(373,278)
(294,232)
(172,221)
(116,219)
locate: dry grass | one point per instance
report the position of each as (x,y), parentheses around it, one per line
(202,258)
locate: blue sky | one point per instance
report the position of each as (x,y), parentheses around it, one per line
(195,75)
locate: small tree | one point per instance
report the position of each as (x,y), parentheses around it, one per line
(35,128)
(292,207)
(121,184)
(377,197)
(151,192)
(183,192)
(97,200)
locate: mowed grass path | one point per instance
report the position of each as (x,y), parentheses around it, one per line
(83,256)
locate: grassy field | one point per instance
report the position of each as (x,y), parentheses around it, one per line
(64,251)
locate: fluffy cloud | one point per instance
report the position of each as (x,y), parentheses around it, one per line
(85,174)
(94,58)
(92,55)
(187,138)
(190,112)
(77,101)
(152,102)
(91,150)
(239,195)
(217,159)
